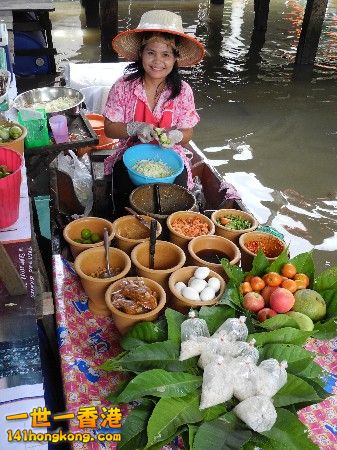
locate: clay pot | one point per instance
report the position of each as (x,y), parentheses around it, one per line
(272,246)
(213,244)
(129,232)
(232,235)
(19,143)
(73,231)
(125,321)
(180,239)
(182,304)
(93,259)
(168,258)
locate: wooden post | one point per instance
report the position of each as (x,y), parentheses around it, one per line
(261,8)
(109,29)
(91,9)
(9,275)
(311,31)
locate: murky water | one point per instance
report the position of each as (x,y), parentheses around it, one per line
(272,135)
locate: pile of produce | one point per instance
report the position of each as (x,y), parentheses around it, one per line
(9,131)
(4,171)
(219,394)
(88,237)
(234,222)
(55,105)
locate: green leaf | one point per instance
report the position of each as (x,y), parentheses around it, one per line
(260,263)
(297,357)
(112,397)
(232,271)
(110,363)
(326,329)
(215,316)
(192,431)
(319,386)
(258,441)
(214,412)
(304,263)
(134,427)
(168,440)
(152,356)
(225,433)
(326,280)
(297,439)
(129,343)
(282,259)
(147,332)
(330,298)
(159,383)
(170,413)
(231,297)
(314,371)
(285,335)
(174,320)
(295,390)
(279,321)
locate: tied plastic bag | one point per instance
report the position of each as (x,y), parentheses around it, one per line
(216,346)
(193,327)
(78,171)
(246,350)
(236,329)
(257,412)
(245,378)
(217,384)
(272,375)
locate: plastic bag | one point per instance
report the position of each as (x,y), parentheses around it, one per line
(246,350)
(78,171)
(193,327)
(192,347)
(272,375)
(236,329)
(216,346)
(245,378)
(257,412)
(217,385)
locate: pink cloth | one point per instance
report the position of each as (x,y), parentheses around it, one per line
(121,107)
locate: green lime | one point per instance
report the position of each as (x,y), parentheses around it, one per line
(86,233)
(95,237)
(86,241)
(79,241)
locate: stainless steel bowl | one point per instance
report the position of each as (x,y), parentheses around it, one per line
(29,98)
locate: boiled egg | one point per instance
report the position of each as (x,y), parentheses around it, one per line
(214,283)
(202,272)
(207,294)
(190,293)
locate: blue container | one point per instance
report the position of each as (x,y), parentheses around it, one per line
(154,153)
(30,65)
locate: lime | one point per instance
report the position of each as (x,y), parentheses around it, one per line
(79,241)
(86,241)
(86,233)
(95,237)
(310,303)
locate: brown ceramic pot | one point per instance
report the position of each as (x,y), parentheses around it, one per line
(168,258)
(129,232)
(93,259)
(180,239)
(125,321)
(272,247)
(182,304)
(232,235)
(73,231)
(216,246)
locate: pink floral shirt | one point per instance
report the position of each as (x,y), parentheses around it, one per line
(121,103)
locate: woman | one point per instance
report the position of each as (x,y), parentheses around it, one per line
(151,94)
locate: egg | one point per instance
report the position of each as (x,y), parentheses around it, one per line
(207,294)
(190,293)
(202,272)
(198,284)
(190,281)
(214,283)
(179,286)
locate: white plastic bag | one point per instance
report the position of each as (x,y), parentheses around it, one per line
(272,375)
(217,384)
(236,329)
(257,412)
(78,171)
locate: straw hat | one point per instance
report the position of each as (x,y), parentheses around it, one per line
(127,43)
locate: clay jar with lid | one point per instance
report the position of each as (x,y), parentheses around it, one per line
(93,259)
(168,258)
(125,321)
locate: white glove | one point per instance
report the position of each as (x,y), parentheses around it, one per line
(168,139)
(142,130)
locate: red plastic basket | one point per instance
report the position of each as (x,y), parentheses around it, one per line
(10,187)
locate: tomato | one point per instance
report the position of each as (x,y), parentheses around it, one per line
(272,279)
(303,277)
(257,283)
(245,287)
(289,270)
(248,278)
(290,285)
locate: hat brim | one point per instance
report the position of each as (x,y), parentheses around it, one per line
(127,44)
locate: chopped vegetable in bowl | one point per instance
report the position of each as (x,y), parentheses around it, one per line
(234,223)
(152,169)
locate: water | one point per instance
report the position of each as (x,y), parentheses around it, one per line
(271,133)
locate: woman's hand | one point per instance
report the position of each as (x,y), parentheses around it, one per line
(167,139)
(144,131)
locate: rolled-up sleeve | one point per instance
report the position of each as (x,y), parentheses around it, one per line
(186,115)
(115,108)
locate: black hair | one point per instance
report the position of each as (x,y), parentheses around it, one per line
(136,70)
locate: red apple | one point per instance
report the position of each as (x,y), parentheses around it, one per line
(265,313)
(253,301)
(266,293)
(281,300)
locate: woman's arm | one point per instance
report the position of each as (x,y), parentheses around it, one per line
(115,130)
(188,133)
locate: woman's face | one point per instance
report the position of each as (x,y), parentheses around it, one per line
(158,59)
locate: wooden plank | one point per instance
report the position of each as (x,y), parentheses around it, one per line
(9,275)
(311,31)
(109,29)
(261,8)
(19,5)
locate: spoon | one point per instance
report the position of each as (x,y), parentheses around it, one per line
(107,273)
(157,201)
(137,216)
(153,236)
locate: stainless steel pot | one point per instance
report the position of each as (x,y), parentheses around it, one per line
(41,95)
